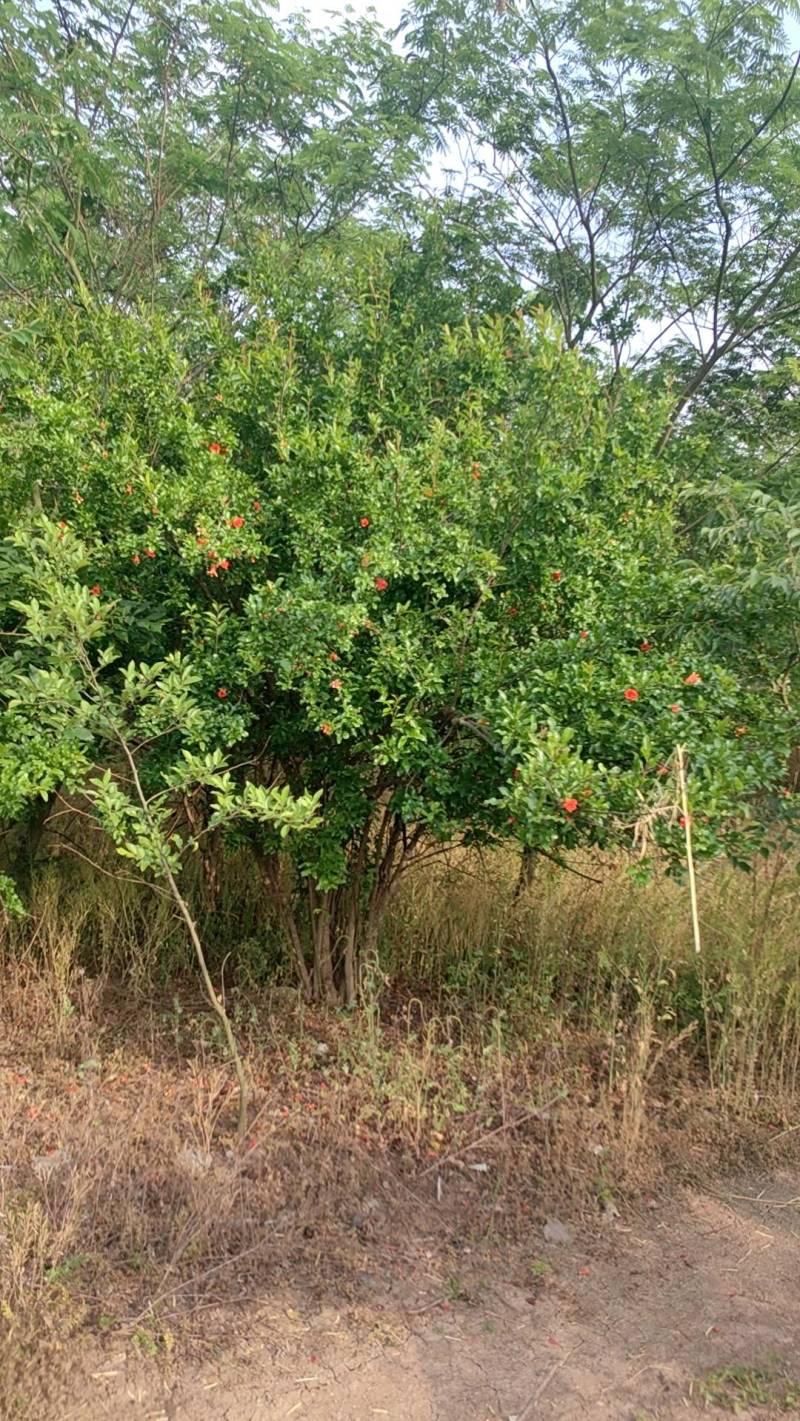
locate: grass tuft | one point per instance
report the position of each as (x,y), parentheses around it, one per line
(742,1389)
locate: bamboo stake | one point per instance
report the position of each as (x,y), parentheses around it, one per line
(687,829)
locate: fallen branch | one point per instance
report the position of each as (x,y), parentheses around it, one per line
(759,1199)
(426,1307)
(540,1113)
(544,1384)
(198,1278)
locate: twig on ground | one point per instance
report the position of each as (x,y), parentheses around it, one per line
(759,1199)
(538,1114)
(200,1277)
(426,1307)
(544,1384)
(788,1131)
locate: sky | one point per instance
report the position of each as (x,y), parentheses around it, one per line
(322,12)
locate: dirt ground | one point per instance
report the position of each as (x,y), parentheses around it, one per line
(675,1308)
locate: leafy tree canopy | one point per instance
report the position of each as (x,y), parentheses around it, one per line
(430,583)
(145,143)
(636,163)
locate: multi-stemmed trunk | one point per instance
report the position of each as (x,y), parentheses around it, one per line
(345,923)
(332,932)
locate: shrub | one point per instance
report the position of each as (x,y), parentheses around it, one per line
(426,579)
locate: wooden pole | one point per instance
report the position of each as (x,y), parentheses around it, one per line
(687,829)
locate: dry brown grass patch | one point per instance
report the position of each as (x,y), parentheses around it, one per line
(125,1202)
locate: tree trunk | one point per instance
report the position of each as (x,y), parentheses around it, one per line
(321,919)
(197,811)
(331,932)
(350,956)
(23,842)
(527,869)
(271,869)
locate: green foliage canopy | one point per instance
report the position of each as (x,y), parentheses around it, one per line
(430,582)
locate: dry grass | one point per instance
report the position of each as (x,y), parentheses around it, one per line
(615,957)
(124,1201)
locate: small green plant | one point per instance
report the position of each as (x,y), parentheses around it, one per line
(454,1290)
(744,1388)
(10,902)
(146,1342)
(61,1272)
(604,1192)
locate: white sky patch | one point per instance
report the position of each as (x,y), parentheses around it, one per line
(324,14)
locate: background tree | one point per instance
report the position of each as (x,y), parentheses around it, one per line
(148,144)
(739,459)
(636,166)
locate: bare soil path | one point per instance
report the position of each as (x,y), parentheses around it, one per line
(676,1309)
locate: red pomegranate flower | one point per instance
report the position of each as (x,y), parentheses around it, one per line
(256,506)
(336,684)
(583,634)
(570,805)
(237,522)
(740,730)
(476,471)
(683,821)
(333,656)
(215,448)
(675,709)
(363,522)
(212,572)
(645,646)
(381,584)
(224,564)
(693,679)
(149,552)
(631,694)
(556,576)
(663,770)
(96,590)
(325,728)
(201,541)
(136,559)
(222,693)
